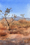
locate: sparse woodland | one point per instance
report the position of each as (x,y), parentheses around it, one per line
(11,27)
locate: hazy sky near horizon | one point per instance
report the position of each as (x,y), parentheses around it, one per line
(18,6)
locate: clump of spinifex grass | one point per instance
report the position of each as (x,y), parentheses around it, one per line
(20,24)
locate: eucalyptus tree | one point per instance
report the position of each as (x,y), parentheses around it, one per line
(22,15)
(7,11)
(15,16)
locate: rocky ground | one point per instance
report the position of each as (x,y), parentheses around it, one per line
(14,32)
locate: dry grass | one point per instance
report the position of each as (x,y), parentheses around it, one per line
(17,27)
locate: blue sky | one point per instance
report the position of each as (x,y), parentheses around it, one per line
(18,6)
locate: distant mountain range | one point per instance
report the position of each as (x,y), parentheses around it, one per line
(17,18)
